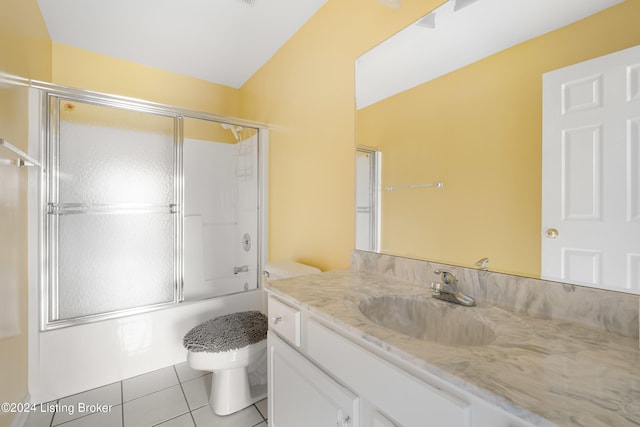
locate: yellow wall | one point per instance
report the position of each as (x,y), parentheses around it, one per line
(25,50)
(306,91)
(479,130)
(93,71)
(25,47)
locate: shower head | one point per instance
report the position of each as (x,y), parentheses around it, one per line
(234,130)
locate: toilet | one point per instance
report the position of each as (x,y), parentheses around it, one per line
(234,348)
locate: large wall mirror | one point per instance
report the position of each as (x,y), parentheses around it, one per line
(452,107)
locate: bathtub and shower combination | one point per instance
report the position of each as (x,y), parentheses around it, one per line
(145,220)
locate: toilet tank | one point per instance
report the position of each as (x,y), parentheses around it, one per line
(283,269)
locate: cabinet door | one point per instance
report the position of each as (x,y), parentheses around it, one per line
(300,394)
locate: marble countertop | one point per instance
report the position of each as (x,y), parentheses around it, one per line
(547,372)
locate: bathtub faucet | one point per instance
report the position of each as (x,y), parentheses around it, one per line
(241,269)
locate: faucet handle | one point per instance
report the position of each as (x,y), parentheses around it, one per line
(447,277)
(482,263)
(443,288)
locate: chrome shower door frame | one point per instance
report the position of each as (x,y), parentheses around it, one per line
(50,210)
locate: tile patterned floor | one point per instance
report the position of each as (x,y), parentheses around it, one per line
(176,396)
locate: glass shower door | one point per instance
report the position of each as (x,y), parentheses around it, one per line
(112,209)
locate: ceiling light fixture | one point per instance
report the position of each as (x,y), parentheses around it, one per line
(462,4)
(429,21)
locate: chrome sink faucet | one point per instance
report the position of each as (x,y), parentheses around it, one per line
(448,291)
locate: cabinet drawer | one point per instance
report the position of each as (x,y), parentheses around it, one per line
(406,399)
(284,320)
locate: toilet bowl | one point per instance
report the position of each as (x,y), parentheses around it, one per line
(231,385)
(234,348)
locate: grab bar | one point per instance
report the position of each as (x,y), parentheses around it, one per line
(24,160)
(438,184)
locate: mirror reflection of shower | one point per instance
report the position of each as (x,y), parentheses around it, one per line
(368,169)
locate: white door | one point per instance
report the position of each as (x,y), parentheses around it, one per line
(591,175)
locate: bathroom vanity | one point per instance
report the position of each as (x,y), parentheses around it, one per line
(355,348)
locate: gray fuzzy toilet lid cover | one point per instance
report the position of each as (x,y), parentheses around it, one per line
(228,332)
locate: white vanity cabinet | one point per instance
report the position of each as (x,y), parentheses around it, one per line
(300,394)
(318,377)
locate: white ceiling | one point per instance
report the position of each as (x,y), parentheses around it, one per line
(221,41)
